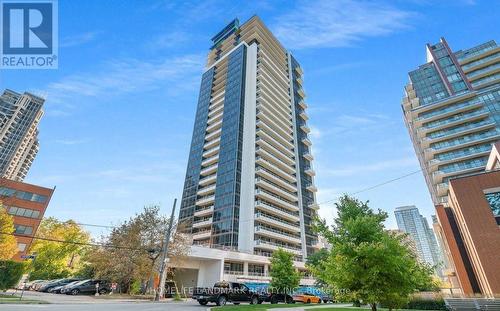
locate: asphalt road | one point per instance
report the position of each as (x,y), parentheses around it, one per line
(84,303)
(114,306)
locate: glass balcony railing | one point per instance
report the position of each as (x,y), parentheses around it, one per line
(462,128)
(483,70)
(454,107)
(454,118)
(481,61)
(463,140)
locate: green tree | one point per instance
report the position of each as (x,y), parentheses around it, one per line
(10,273)
(314,263)
(284,277)
(125,258)
(8,243)
(371,264)
(58,259)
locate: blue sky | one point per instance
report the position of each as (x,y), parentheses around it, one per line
(120,108)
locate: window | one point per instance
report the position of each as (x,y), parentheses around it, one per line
(21,247)
(20,229)
(23,195)
(23,212)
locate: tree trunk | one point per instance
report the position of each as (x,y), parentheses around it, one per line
(374,307)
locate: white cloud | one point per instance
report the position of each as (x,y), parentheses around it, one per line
(318,24)
(70,141)
(126,76)
(79,39)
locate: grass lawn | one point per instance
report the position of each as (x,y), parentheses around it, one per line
(4,299)
(265,307)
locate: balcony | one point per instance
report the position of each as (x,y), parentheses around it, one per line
(282,193)
(273,247)
(211,151)
(442,189)
(276,234)
(277,211)
(308,156)
(306,141)
(463,130)
(276,199)
(305,128)
(202,235)
(209,170)
(205,200)
(301,93)
(298,69)
(206,211)
(269,175)
(303,115)
(206,190)
(302,104)
(457,119)
(290,169)
(273,168)
(309,171)
(448,111)
(213,135)
(208,180)
(215,111)
(286,156)
(215,118)
(280,138)
(209,161)
(460,143)
(314,206)
(212,143)
(213,127)
(311,187)
(276,222)
(202,223)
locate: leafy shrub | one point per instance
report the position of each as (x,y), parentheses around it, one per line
(10,273)
(135,287)
(427,304)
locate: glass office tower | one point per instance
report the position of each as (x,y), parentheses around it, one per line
(19,118)
(249,183)
(451,107)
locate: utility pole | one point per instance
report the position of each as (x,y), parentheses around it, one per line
(163,270)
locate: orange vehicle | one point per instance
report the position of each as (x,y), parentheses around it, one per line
(306,298)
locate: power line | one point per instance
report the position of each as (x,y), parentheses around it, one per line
(375,186)
(94,225)
(76,243)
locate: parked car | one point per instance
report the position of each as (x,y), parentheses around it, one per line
(306,298)
(31,285)
(224,292)
(57,289)
(48,286)
(275,298)
(39,285)
(327,298)
(87,287)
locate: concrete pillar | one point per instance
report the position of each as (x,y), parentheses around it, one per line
(266,270)
(245,268)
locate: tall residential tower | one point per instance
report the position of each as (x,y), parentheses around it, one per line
(451,107)
(249,184)
(19,118)
(410,221)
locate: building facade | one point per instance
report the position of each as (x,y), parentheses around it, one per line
(26,203)
(249,184)
(416,226)
(451,108)
(19,118)
(471,231)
